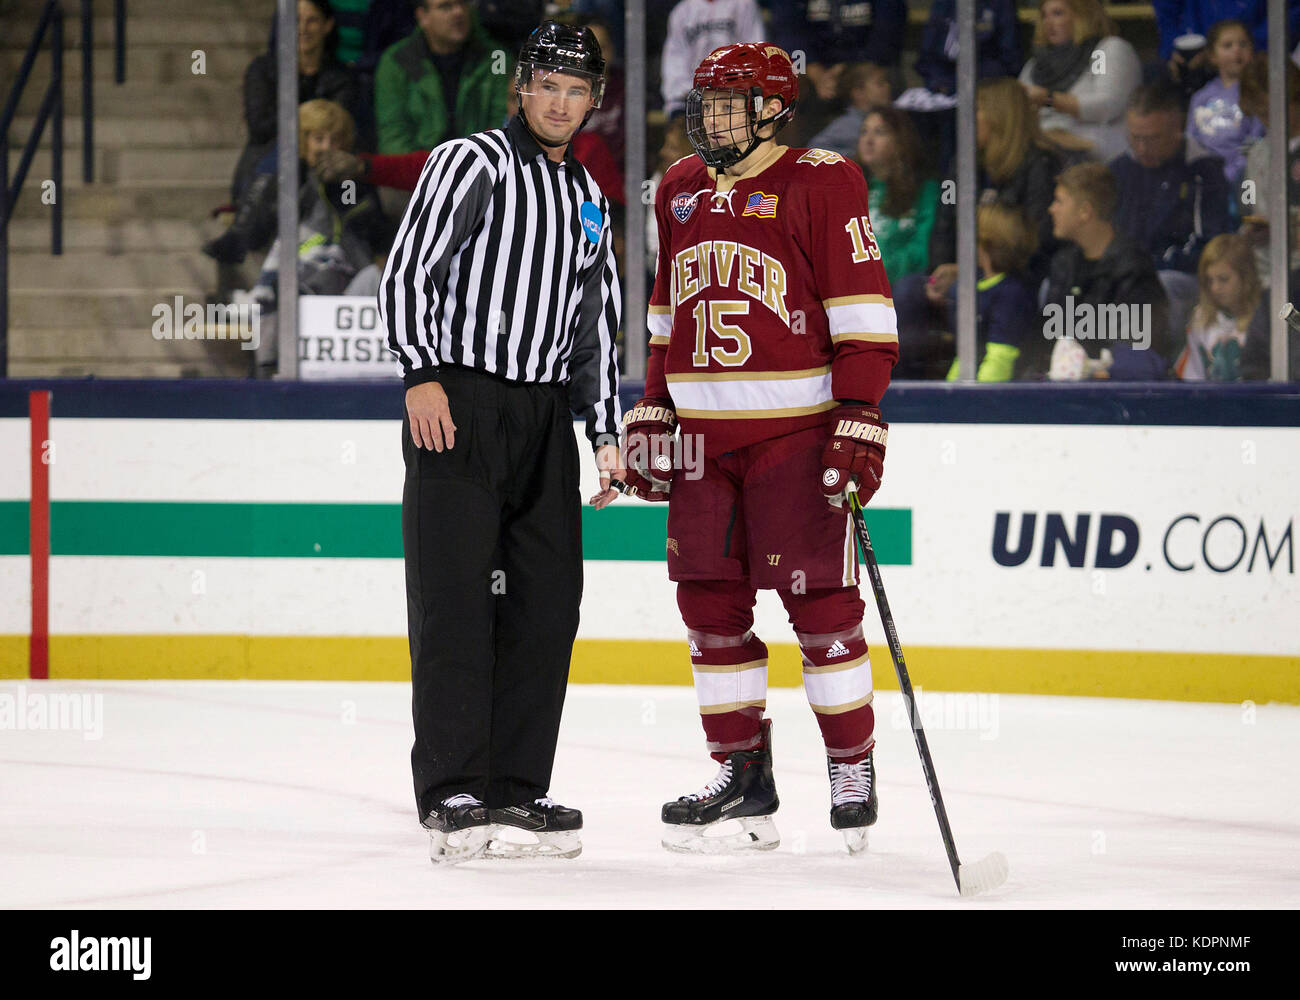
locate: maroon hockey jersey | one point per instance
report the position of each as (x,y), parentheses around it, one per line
(770,299)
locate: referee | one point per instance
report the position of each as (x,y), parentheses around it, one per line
(501,302)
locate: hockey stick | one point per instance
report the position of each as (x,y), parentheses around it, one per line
(983,875)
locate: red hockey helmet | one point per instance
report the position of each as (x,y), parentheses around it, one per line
(752,72)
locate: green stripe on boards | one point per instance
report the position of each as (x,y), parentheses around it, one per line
(334,530)
(14,531)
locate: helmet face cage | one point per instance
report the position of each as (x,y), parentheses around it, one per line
(738,118)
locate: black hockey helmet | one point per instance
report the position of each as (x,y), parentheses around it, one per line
(554,47)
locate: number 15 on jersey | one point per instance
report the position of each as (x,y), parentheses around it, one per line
(864,241)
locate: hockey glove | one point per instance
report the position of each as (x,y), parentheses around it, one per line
(648,450)
(856,451)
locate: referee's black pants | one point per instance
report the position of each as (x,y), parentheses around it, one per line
(492,533)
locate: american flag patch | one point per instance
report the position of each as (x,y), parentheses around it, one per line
(760,204)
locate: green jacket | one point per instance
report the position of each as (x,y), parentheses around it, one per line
(905,241)
(410,107)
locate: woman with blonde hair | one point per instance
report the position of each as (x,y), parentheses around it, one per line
(1017,167)
(1017,170)
(1080,77)
(1228,313)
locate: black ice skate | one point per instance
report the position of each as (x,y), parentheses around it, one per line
(538,829)
(458,830)
(853,800)
(743,790)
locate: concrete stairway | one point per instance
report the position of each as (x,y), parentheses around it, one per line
(166,142)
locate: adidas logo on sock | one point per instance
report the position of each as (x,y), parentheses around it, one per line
(837,649)
(695,650)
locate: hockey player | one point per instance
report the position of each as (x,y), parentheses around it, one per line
(772,339)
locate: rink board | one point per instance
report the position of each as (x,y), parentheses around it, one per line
(1066,558)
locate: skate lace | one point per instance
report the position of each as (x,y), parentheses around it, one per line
(850,783)
(719,782)
(546,802)
(461,800)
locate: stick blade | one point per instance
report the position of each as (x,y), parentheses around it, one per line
(983,875)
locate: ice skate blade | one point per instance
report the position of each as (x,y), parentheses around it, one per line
(855,839)
(983,875)
(447,849)
(757,833)
(509,844)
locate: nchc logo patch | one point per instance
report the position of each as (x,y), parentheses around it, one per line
(761,205)
(683,205)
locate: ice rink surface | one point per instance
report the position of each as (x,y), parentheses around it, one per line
(234,794)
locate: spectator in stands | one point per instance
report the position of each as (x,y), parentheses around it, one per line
(1255,204)
(401,171)
(350,22)
(1227,314)
(1175,18)
(675,146)
(320,75)
(696,28)
(834,36)
(448,78)
(1173,198)
(611,12)
(867,86)
(1004,298)
(512,21)
(387,23)
(997,37)
(340,226)
(1215,119)
(1080,77)
(1016,168)
(825,39)
(901,201)
(608,120)
(1097,277)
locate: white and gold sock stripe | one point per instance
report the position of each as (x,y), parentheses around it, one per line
(835,686)
(728,687)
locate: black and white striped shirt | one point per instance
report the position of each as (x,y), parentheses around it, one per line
(504,262)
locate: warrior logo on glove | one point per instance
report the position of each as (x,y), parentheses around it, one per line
(855,452)
(649,450)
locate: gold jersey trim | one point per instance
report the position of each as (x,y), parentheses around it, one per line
(792,411)
(871,338)
(853,300)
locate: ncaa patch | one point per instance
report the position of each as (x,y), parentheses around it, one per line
(592,220)
(683,205)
